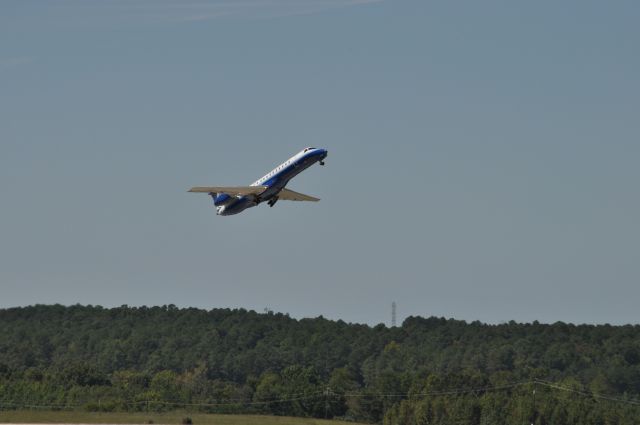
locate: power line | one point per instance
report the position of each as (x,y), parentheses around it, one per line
(443,392)
(585,393)
(328,392)
(224,403)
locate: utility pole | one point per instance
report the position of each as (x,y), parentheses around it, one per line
(328,377)
(533,416)
(326,403)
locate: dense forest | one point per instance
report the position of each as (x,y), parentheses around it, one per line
(427,371)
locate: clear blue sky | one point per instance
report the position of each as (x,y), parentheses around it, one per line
(483,156)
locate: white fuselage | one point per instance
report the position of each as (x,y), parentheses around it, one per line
(274,181)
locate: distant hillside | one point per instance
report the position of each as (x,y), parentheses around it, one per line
(428,371)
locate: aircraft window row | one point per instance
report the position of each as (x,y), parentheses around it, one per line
(280,167)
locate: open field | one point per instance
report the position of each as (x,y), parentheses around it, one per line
(72,417)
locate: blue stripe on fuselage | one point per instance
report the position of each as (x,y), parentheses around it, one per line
(296,168)
(278,181)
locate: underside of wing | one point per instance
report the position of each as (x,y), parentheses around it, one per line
(230,190)
(290,195)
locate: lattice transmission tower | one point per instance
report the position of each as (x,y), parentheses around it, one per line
(393,314)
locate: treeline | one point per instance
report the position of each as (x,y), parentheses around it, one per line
(427,371)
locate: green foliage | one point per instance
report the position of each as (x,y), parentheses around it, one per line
(158,359)
(174,417)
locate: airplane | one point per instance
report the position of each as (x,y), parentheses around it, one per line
(230,200)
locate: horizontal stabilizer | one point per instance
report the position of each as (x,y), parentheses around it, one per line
(230,190)
(290,195)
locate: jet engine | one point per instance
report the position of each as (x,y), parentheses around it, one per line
(220,199)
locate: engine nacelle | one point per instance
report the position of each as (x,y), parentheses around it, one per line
(221,199)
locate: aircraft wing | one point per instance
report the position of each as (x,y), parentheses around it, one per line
(290,195)
(230,190)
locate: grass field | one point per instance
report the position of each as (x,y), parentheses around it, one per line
(72,417)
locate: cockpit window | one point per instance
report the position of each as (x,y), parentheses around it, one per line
(308,149)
